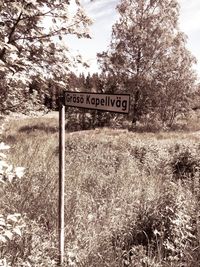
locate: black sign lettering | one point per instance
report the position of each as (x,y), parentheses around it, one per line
(106,102)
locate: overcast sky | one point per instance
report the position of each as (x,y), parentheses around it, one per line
(104,16)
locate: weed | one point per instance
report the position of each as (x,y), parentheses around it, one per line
(125,201)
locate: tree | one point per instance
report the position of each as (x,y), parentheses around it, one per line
(31,41)
(88,83)
(195,98)
(148,57)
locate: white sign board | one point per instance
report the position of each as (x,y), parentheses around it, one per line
(119,103)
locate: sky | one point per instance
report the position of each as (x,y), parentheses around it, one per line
(104,15)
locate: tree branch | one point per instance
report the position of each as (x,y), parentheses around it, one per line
(3,51)
(50,34)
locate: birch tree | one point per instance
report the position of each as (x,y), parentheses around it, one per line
(149,59)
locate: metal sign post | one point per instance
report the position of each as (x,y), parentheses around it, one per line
(61,223)
(119,103)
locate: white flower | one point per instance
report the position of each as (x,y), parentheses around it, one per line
(19,171)
(3,146)
(91,217)
(3,165)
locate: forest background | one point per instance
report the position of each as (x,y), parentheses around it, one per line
(147,58)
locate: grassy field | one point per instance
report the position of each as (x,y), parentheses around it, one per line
(132,199)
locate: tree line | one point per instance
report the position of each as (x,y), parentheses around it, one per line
(147,57)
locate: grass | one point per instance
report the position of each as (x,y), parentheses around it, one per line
(131,199)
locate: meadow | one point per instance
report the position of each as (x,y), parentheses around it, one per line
(131,199)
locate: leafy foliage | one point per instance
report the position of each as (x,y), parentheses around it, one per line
(32,44)
(148,57)
(11,224)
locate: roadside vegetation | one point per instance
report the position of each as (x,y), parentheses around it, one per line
(132,199)
(132,187)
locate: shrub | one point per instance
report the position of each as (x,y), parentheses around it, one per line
(185,162)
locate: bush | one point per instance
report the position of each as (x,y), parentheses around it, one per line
(185,162)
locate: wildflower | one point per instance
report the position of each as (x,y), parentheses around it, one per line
(19,171)
(3,146)
(91,217)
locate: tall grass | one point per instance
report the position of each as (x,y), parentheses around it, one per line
(130,199)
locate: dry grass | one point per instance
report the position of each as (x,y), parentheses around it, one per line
(128,202)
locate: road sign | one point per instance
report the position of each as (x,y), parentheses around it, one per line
(119,103)
(106,102)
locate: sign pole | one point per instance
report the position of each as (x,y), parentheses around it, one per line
(108,102)
(61,223)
